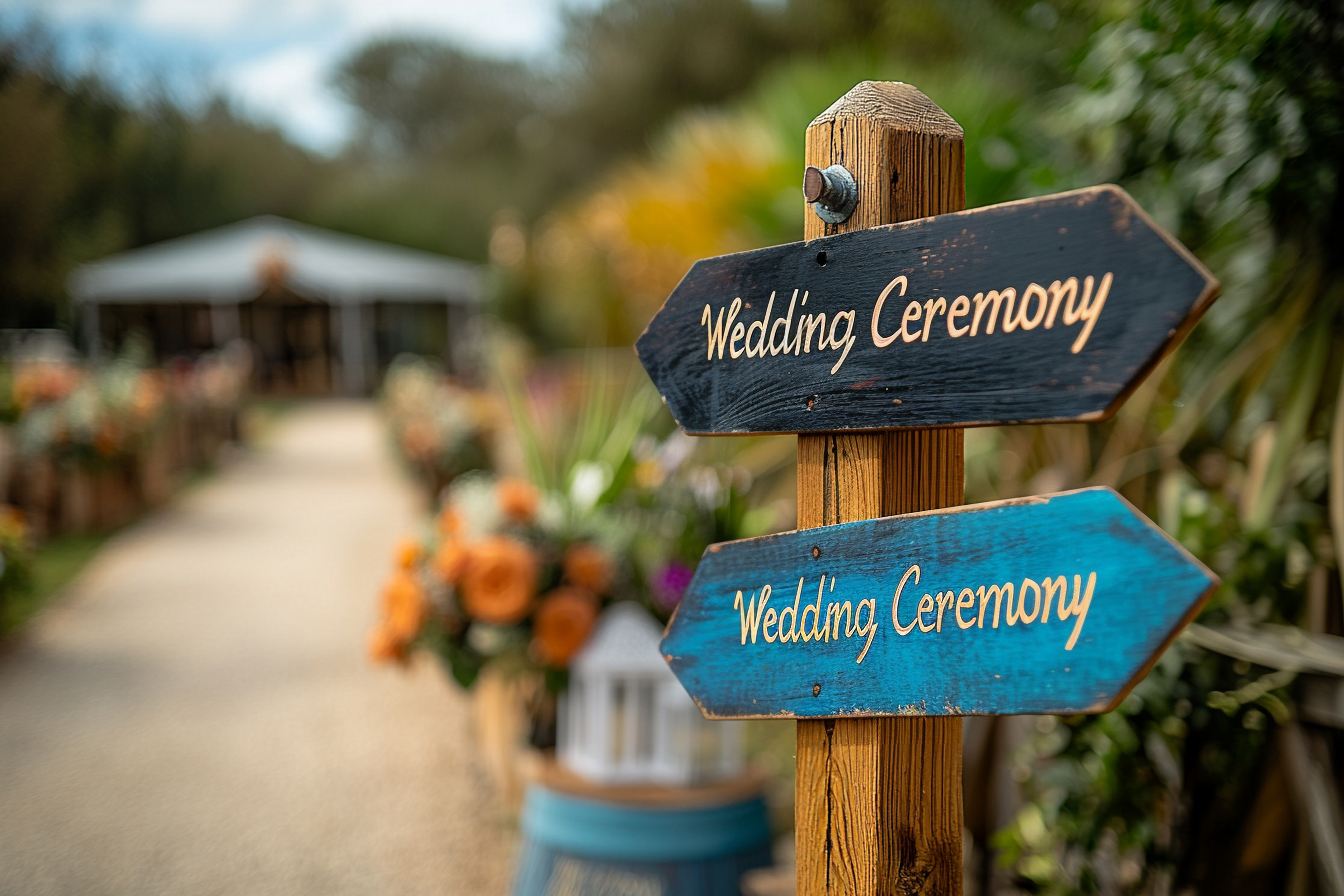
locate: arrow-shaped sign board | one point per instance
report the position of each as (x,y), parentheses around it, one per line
(1055,604)
(1049,309)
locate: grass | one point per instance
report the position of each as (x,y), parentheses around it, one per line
(55,565)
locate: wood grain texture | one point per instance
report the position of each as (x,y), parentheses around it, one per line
(995,337)
(878,806)
(1057,615)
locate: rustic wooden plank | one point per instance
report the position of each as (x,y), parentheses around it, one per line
(942,351)
(1054,604)
(878,805)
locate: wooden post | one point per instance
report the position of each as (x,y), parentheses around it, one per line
(879,807)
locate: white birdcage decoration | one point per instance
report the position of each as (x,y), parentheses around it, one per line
(625,718)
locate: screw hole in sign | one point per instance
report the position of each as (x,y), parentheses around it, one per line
(821,259)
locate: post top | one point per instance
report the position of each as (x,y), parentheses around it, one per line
(895,104)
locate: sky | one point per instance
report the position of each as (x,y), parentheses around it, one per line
(274,56)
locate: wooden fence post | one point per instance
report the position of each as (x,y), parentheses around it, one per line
(879,803)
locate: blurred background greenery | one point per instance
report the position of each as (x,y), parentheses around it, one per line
(669,130)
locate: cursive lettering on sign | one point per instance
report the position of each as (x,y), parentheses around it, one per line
(1005,311)
(1014,603)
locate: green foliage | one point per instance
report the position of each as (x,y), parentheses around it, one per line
(16,564)
(566,424)
(44,573)
(1224,119)
(421,97)
(636,63)
(1152,794)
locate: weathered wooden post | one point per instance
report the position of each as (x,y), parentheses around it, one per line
(1048,309)
(878,800)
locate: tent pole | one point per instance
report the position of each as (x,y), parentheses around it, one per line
(93,340)
(352,348)
(225,324)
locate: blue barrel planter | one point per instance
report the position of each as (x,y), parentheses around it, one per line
(579,846)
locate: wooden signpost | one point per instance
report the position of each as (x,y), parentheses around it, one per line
(876,344)
(1055,604)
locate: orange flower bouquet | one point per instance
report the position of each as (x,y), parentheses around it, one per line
(515,576)
(101,418)
(508,574)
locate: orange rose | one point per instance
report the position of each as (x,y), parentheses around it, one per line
(499,581)
(449,523)
(588,566)
(408,552)
(450,560)
(518,499)
(383,648)
(563,622)
(404,607)
(404,612)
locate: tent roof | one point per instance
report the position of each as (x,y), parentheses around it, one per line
(236,263)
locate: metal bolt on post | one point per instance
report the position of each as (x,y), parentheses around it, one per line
(831,191)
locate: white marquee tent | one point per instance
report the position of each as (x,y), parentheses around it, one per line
(292,290)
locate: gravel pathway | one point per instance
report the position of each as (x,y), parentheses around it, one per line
(196,715)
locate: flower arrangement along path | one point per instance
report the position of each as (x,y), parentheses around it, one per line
(197,715)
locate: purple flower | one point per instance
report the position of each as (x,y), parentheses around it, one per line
(670,583)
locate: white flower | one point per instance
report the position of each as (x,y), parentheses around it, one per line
(587,483)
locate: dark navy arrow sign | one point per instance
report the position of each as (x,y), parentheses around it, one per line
(1049,309)
(1055,604)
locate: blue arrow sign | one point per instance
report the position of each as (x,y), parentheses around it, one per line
(1054,604)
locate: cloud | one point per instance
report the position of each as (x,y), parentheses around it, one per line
(497,26)
(276,56)
(289,87)
(77,10)
(502,26)
(195,19)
